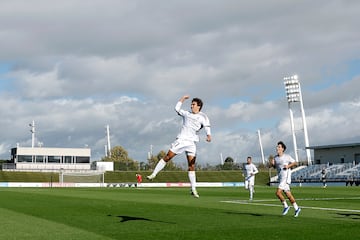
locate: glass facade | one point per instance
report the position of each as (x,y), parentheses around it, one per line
(82,159)
(24,158)
(67,159)
(39,159)
(54,159)
(51,158)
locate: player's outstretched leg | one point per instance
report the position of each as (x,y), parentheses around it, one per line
(159,166)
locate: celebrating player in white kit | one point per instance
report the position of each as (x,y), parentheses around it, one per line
(250,170)
(186,140)
(283,163)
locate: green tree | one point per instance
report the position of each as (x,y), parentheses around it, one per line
(170,166)
(228,163)
(270,158)
(121,159)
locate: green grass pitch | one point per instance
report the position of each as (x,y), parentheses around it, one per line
(171,213)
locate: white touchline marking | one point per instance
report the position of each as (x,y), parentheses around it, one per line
(327,199)
(245,202)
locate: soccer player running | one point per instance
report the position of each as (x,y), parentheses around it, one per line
(283,163)
(250,170)
(193,122)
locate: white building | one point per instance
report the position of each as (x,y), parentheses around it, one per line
(49,159)
(339,153)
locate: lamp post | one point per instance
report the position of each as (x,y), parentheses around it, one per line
(261,147)
(32,125)
(108,141)
(293,94)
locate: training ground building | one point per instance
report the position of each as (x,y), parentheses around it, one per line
(337,154)
(49,159)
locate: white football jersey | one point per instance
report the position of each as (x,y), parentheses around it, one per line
(280,162)
(192,124)
(250,169)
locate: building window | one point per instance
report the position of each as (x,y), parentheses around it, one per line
(24,158)
(39,159)
(67,159)
(342,160)
(54,159)
(82,159)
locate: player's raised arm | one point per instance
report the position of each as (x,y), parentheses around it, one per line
(183,98)
(180,102)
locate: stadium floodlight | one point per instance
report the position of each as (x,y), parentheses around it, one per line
(261,147)
(293,94)
(32,125)
(108,141)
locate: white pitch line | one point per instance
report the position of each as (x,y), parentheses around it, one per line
(244,202)
(327,199)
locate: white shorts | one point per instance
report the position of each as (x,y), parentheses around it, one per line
(249,182)
(180,146)
(284,186)
(285,180)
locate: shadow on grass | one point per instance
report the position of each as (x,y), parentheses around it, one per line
(243,213)
(350,215)
(130,218)
(255,214)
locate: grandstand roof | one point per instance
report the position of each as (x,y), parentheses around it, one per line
(335,146)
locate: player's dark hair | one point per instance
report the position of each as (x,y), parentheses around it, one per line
(198,101)
(282,145)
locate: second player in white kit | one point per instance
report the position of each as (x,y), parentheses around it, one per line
(250,170)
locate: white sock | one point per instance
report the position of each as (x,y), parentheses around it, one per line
(159,166)
(285,204)
(296,207)
(192,178)
(251,192)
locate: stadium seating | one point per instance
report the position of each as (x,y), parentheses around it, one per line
(334,172)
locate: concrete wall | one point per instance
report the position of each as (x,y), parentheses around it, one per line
(337,155)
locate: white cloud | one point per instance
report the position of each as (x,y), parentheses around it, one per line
(75,67)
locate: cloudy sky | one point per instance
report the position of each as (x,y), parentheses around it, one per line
(75,66)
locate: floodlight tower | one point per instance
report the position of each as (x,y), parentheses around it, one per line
(32,125)
(221,159)
(108,140)
(293,94)
(261,147)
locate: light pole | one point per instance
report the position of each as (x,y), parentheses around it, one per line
(293,94)
(261,147)
(32,125)
(108,140)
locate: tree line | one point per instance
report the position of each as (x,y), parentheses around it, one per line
(123,162)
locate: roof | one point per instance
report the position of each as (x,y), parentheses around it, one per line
(345,145)
(51,151)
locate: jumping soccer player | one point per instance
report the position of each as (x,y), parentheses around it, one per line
(186,140)
(250,170)
(283,163)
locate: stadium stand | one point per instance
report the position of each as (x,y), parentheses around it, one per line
(334,173)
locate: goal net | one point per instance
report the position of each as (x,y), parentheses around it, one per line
(66,178)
